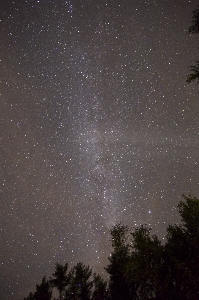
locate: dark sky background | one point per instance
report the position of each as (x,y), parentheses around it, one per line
(98,126)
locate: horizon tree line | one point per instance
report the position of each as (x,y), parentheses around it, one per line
(140,266)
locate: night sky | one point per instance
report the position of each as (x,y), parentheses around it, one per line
(98,126)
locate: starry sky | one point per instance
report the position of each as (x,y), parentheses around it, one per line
(98,126)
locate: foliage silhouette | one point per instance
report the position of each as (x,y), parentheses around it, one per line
(61,279)
(43,291)
(80,286)
(100,288)
(118,285)
(194,28)
(140,266)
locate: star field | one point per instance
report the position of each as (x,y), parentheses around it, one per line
(98,126)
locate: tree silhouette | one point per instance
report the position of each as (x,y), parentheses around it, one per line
(140,267)
(31,296)
(145,263)
(80,286)
(100,288)
(144,269)
(182,249)
(119,287)
(44,290)
(61,279)
(194,28)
